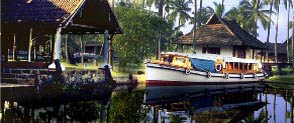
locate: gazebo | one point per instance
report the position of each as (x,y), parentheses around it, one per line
(31,30)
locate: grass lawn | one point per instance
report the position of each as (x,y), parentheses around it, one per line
(285,78)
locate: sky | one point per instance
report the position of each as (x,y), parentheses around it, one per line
(282,35)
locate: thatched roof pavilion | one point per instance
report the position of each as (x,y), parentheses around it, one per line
(27,25)
(219,31)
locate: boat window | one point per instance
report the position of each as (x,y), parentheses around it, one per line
(231,65)
(241,66)
(250,66)
(235,65)
(180,59)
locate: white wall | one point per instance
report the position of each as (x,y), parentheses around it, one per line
(226,51)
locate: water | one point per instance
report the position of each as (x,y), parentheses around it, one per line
(194,103)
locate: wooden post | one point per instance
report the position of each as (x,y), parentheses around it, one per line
(14,48)
(81,51)
(30,45)
(253,53)
(52,43)
(57,46)
(110,59)
(106,47)
(35,51)
(67,37)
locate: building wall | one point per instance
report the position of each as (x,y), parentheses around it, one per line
(224,50)
(228,51)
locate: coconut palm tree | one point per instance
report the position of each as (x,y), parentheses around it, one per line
(290,5)
(277,31)
(253,11)
(219,9)
(181,10)
(199,15)
(271,4)
(195,27)
(277,25)
(206,12)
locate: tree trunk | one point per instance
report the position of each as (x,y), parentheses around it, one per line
(160,8)
(223,7)
(293,44)
(277,31)
(269,30)
(288,31)
(199,16)
(195,26)
(160,13)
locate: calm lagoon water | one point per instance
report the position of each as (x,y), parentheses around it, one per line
(193,103)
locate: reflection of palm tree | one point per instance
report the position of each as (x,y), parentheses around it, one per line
(180,10)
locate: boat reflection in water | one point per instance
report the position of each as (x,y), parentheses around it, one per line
(203,103)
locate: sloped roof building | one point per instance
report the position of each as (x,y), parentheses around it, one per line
(224,37)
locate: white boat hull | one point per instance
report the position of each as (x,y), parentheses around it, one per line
(160,75)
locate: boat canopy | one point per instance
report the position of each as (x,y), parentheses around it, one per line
(203,64)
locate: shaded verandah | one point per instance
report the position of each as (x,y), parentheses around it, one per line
(32,30)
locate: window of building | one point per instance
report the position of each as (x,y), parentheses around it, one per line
(211,50)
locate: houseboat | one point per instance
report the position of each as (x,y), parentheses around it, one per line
(179,68)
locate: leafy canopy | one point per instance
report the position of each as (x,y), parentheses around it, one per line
(141,30)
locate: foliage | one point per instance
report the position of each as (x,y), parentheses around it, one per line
(206,12)
(84,111)
(219,9)
(141,30)
(126,107)
(180,9)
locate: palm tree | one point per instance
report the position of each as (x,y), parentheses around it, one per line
(288,31)
(219,9)
(277,31)
(253,12)
(167,7)
(206,12)
(199,15)
(271,3)
(195,27)
(277,26)
(181,10)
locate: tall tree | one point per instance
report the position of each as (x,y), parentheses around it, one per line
(288,29)
(181,11)
(271,3)
(219,9)
(253,11)
(199,15)
(277,31)
(141,32)
(195,27)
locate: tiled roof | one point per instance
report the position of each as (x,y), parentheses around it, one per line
(281,48)
(36,11)
(222,32)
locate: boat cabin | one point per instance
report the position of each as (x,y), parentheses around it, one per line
(212,63)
